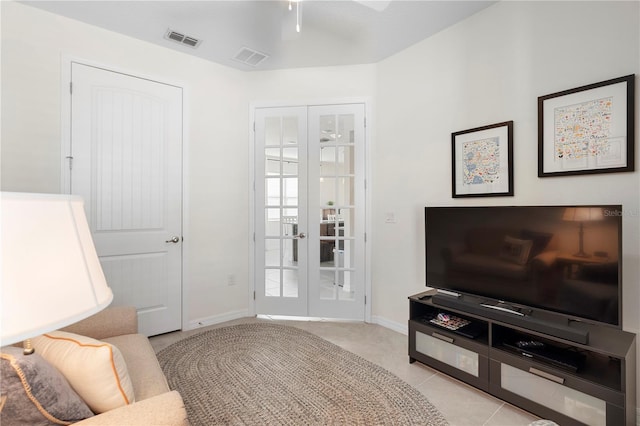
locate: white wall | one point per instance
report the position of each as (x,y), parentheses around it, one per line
(33,45)
(217,101)
(488,69)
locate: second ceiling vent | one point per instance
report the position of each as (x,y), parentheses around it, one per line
(182,38)
(250,57)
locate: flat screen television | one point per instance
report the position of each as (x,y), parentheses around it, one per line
(564,259)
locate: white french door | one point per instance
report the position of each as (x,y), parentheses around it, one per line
(281,211)
(310,211)
(126,162)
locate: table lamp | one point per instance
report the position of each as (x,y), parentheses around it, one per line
(581,215)
(51,275)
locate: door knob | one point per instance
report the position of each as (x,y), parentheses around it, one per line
(301,235)
(173,240)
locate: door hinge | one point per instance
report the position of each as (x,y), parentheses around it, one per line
(71,87)
(254,295)
(365,299)
(254,237)
(70,158)
(254,126)
(365,237)
(365,122)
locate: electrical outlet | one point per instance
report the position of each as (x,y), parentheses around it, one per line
(390,217)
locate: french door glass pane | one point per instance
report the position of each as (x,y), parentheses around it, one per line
(327,191)
(345,291)
(272,282)
(272,161)
(346,127)
(336,191)
(271,221)
(290,191)
(345,188)
(344,160)
(327,250)
(327,129)
(272,252)
(327,284)
(289,131)
(346,222)
(289,222)
(290,253)
(290,282)
(290,161)
(272,191)
(272,131)
(327,160)
(337,225)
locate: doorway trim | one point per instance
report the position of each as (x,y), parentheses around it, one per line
(65,147)
(367,102)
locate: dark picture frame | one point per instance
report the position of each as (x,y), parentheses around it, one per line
(589,129)
(482,161)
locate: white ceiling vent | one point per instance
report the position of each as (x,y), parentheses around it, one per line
(250,57)
(182,39)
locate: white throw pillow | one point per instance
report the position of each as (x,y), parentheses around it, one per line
(515,250)
(96,370)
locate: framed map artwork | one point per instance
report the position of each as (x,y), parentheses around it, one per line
(482,161)
(589,129)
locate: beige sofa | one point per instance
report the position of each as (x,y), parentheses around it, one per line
(155,403)
(498,258)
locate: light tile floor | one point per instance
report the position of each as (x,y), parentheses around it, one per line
(459,403)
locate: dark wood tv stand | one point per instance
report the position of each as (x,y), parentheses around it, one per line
(485,354)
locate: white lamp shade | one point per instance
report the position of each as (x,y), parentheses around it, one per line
(582,214)
(51,274)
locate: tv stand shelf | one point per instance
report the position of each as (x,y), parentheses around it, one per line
(556,378)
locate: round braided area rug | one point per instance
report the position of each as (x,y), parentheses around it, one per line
(270,374)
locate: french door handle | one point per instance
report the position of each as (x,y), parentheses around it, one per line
(301,235)
(173,240)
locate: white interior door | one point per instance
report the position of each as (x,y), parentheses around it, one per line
(337,212)
(126,162)
(309,210)
(281,211)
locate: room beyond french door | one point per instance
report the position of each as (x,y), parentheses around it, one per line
(126,162)
(310,211)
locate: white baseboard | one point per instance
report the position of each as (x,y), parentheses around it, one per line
(392,325)
(217,319)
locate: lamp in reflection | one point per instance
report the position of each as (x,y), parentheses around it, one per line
(582,215)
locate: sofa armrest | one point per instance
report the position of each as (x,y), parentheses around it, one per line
(544,260)
(110,322)
(166,409)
